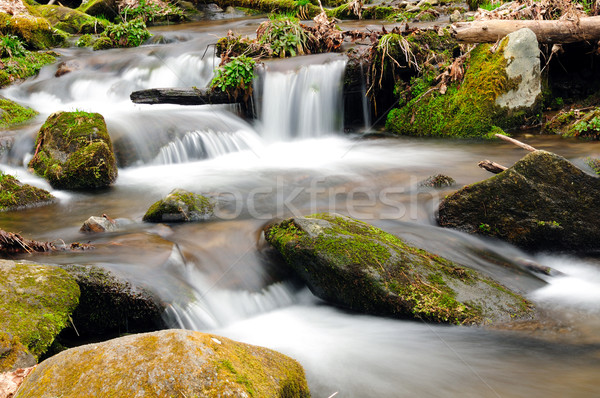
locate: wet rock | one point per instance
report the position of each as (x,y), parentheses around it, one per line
(67,67)
(180,206)
(74,151)
(99,224)
(35,303)
(355,265)
(110,305)
(164,364)
(13,354)
(541,202)
(16,195)
(438,181)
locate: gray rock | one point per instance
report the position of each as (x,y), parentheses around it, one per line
(99,224)
(523,62)
(456,16)
(355,265)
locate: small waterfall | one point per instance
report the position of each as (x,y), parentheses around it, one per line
(197,145)
(301,103)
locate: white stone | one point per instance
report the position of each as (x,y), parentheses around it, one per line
(523,60)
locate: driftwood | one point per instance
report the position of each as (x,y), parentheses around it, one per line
(516,142)
(547,32)
(492,167)
(496,168)
(181,96)
(11,243)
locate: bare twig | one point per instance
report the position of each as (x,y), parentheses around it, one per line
(516,142)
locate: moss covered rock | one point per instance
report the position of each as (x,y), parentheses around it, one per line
(17,68)
(109,305)
(179,206)
(358,266)
(35,303)
(541,202)
(501,89)
(74,151)
(12,114)
(71,21)
(13,354)
(15,195)
(168,363)
(575,123)
(100,8)
(36,32)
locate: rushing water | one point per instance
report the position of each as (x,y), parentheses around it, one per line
(221,277)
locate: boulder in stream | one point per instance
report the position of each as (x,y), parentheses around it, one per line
(16,195)
(168,363)
(36,302)
(355,265)
(110,305)
(180,206)
(542,202)
(74,151)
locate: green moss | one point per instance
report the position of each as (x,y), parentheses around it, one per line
(171,363)
(14,194)
(364,268)
(36,33)
(13,114)
(17,68)
(71,21)
(11,353)
(74,151)
(100,8)
(180,205)
(35,303)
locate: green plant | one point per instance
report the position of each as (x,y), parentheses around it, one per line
(284,35)
(484,228)
(11,46)
(491,5)
(592,125)
(127,34)
(235,77)
(85,41)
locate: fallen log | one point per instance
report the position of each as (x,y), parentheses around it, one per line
(182,96)
(547,31)
(492,167)
(11,243)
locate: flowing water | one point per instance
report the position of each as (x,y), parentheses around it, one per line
(221,277)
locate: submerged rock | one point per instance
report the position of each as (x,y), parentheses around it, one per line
(358,266)
(35,303)
(501,89)
(16,195)
(96,225)
(541,202)
(168,363)
(74,151)
(111,305)
(179,206)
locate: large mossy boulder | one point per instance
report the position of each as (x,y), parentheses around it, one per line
(170,363)
(36,32)
(16,195)
(501,90)
(71,21)
(73,151)
(180,206)
(355,265)
(542,202)
(35,303)
(109,305)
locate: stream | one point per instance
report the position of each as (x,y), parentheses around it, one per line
(220,276)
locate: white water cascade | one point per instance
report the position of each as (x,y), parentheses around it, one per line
(300,101)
